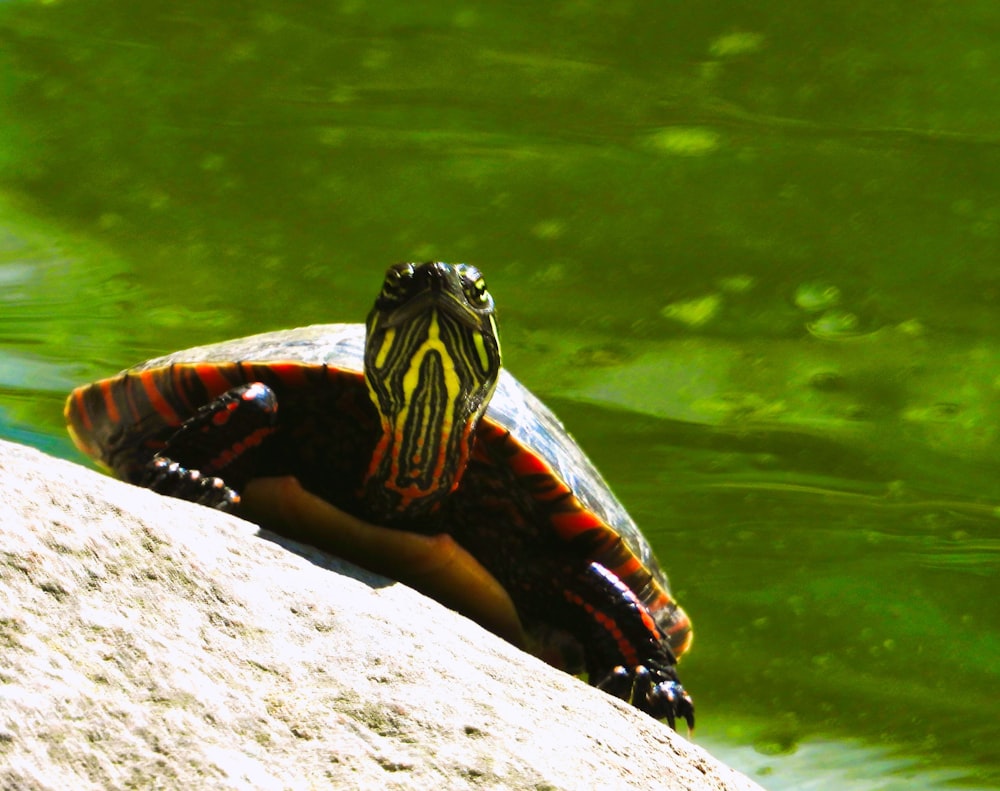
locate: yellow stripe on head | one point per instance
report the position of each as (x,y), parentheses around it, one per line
(432,360)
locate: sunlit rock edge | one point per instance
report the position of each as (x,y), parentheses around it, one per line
(153,642)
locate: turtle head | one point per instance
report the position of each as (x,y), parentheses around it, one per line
(432,358)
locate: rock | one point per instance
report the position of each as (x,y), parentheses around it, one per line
(148,642)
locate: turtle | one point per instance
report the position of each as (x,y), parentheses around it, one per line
(411,422)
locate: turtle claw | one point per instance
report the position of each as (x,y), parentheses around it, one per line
(618,683)
(655,692)
(168,477)
(668,699)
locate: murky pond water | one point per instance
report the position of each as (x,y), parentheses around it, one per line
(749,254)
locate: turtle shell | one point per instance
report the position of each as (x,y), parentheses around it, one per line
(529,492)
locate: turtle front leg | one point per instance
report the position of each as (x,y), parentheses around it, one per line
(172,479)
(219,439)
(627,654)
(655,691)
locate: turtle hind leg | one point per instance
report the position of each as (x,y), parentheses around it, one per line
(628,655)
(219,441)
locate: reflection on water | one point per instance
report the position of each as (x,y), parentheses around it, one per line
(750,255)
(824,765)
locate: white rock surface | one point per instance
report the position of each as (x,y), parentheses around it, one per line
(151,643)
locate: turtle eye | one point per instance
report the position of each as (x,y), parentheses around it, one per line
(395,278)
(474,286)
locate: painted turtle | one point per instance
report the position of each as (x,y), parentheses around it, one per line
(410,422)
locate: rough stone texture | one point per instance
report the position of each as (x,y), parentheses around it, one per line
(150,643)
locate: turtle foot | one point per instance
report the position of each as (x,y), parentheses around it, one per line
(168,477)
(655,691)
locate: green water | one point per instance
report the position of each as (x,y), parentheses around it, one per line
(749,252)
